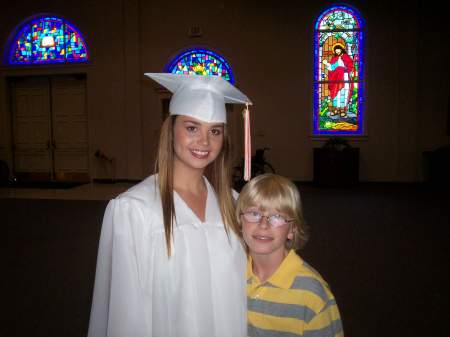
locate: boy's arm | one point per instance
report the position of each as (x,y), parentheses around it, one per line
(326,323)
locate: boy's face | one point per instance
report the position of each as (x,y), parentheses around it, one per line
(263,239)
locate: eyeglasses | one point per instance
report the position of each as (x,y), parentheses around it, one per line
(274,220)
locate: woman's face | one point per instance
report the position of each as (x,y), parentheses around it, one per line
(196,144)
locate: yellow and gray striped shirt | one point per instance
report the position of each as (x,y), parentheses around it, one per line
(294,301)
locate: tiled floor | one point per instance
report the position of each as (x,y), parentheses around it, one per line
(92,191)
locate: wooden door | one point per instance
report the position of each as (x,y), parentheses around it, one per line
(31,129)
(50,128)
(69,128)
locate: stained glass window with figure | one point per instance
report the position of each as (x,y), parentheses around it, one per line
(338,73)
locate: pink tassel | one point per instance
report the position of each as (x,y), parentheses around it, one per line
(248,145)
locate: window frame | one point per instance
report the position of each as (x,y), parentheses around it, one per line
(317,82)
(25,26)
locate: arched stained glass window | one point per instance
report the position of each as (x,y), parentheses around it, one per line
(201,62)
(47,39)
(338,73)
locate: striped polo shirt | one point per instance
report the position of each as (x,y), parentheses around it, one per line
(294,301)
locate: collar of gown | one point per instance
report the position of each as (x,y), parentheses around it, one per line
(186,216)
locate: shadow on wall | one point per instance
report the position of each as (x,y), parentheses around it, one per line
(437,166)
(4,174)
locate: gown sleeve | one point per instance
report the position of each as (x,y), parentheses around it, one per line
(117,309)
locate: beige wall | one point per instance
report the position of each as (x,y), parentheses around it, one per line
(406,77)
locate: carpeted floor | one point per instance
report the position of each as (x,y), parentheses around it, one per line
(384,249)
(50,253)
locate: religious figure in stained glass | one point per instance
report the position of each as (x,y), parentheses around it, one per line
(337,101)
(48,40)
(340,73)
(201,62)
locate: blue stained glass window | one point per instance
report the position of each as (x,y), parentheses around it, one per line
(48,39)
(201,62)
(338,65)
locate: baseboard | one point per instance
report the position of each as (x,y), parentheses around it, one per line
(115,181)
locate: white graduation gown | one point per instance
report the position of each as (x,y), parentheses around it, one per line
(139,292)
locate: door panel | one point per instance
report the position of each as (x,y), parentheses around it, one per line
(31,120)
(70,129)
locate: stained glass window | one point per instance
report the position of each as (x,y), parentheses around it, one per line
(338,73)
(48,40)
(201,62)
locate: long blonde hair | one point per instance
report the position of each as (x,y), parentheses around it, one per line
(218,174)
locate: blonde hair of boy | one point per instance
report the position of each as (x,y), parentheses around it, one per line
(218,174)
(268,191)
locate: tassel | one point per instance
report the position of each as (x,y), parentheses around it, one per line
(248,145)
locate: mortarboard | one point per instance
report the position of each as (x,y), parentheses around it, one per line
(198,96)
(204,98)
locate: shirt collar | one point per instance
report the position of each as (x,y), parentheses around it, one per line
(285,274)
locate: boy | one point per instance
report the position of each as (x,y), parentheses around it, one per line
(286,297)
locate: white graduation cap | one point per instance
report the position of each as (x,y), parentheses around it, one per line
(204,98)
(198,96)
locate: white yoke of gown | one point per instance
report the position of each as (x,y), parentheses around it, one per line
(140,292)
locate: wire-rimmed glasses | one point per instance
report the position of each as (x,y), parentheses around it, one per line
(274,220)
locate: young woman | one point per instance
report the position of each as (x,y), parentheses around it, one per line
(170,263)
